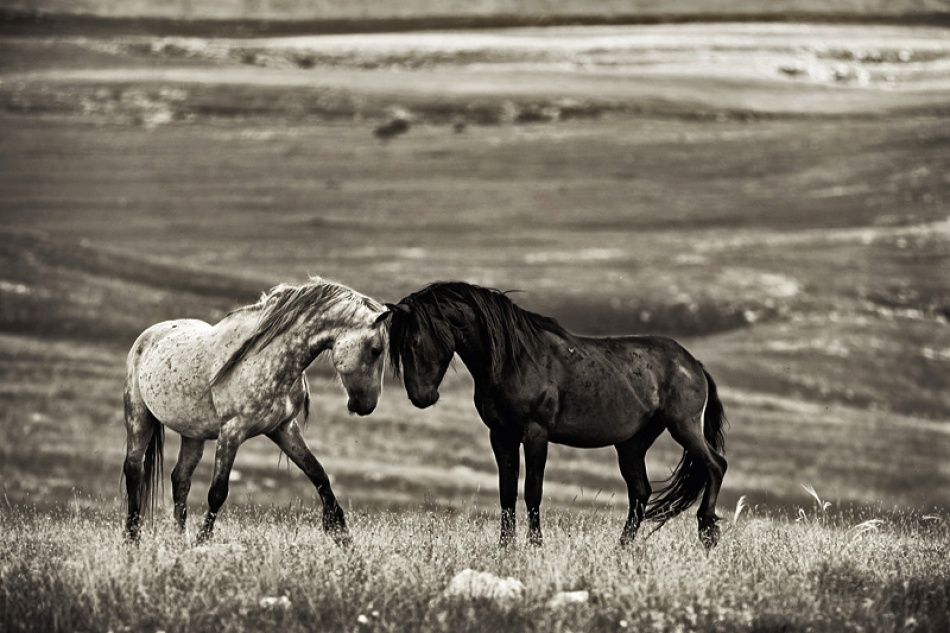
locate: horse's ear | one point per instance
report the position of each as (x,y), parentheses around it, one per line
(382,317)
(399,307)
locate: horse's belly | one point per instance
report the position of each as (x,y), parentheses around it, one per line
(595,420)
(173,380)
(590,435)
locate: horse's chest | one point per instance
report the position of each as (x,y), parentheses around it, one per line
(494,414)
(501,408)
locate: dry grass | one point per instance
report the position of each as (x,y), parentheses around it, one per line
(273,568)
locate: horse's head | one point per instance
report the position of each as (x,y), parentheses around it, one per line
(358,357)
(421,347)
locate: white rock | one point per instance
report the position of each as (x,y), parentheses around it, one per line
(482,584)
(564,598)
(275,602)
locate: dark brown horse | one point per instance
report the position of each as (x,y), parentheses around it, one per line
(535,383)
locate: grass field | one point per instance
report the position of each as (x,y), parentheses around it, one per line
(272,569)
(787,219)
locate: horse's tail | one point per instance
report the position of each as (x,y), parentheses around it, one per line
(690,477)
(154,466)
(306,399)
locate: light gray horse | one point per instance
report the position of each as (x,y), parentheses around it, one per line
(241,378)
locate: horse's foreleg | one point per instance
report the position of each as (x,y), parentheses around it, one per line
(535,456)
(188,457)
(290,440)
(230,438)
(505,446)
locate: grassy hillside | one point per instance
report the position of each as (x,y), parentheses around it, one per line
(68,289)
(791,229)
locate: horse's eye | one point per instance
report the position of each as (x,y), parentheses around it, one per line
(416,341)
(376,352)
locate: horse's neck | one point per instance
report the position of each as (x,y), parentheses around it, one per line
(476,356)
(316,334)
(296,348)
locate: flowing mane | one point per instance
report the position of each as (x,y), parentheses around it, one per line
(284,304)
(508,328)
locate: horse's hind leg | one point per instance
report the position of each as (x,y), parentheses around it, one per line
(140,428)
(289,439)
(690,436)
(188,457)
(631,455)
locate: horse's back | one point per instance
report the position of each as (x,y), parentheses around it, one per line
(649,362)
(611,386)
(170,364)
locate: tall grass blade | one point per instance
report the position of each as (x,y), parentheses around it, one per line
(740,506)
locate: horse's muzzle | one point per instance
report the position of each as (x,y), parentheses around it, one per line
(424,400)
(360,408)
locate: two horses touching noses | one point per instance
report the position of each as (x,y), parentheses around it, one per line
(535,383)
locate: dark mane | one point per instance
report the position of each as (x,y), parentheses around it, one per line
(283,305)
(509,329)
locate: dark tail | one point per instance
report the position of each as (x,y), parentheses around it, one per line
(154,468)
(688,480)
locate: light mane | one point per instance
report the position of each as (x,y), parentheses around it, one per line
(284,304)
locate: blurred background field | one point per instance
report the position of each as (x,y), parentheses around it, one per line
(535,9)
(774,195)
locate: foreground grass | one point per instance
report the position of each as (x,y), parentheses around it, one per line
(72,571)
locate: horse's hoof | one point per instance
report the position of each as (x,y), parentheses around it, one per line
(203,537)
(535,539)
(341,537)
(709,533)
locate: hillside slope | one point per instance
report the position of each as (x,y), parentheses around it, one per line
(62,288)
(805,407)
(801,253)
